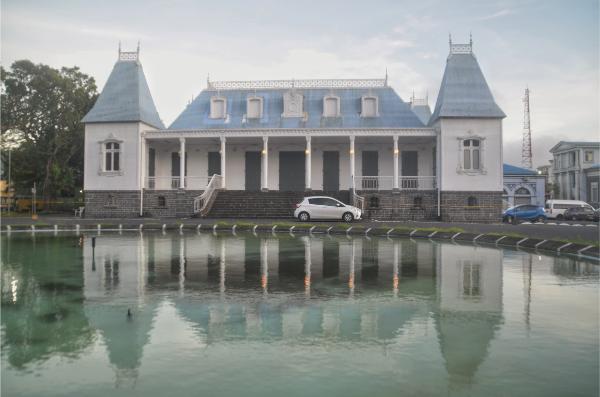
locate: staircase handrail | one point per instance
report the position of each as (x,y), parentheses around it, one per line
(203,203)
(358,201)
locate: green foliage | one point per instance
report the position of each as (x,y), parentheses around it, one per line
(42,108)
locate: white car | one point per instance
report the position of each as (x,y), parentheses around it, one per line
(323,207)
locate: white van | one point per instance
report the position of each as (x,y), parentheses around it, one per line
(556,208)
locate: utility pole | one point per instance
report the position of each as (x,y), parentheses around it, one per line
(526,157)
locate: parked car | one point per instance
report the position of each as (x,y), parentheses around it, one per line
(581,214)
(527,212)
(323,207)
(555,208)
(594,204)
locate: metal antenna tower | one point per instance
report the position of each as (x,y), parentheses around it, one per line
(526,158)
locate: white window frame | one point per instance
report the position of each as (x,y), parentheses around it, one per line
(337,99)
(213,101)
(585,153)
(461,169)
(102,169)
(260,108)
(362,106)
(470,280)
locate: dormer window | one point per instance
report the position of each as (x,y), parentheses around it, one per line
(292,104)
(254,107)
(331,106)
(369,106)
(218,108)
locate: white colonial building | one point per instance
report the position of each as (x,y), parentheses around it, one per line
(575,170)
(265,144)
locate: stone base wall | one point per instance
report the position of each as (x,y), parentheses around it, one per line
(471,206)
(177,203)
(402,205)
(126,204)
(112,204)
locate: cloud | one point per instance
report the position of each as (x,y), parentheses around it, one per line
(20,22)
(499,14)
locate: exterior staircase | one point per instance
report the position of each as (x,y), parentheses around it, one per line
(244,204)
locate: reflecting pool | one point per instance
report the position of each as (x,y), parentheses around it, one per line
(216,315)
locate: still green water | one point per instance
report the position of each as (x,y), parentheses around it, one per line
(292,316)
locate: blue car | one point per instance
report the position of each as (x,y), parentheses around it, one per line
(527,212)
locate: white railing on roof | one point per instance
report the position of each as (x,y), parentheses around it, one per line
(203,203)
(317,83)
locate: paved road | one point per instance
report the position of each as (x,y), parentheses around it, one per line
(588,231)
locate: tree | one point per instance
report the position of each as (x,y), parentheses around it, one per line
(42,108)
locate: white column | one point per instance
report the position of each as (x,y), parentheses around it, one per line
(142,173)
(265,164)
(396,279)
(222,268)
(352,184)
(182,163)
(307,265)
(308,165)
(223,155)
(352,267)
(396,153)
(264,261)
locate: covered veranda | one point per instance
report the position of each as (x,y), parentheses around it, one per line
(296,160)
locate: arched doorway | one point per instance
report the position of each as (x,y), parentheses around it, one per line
(522,196)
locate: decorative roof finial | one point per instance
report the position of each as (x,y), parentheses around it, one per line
(138,48)
(386,77)
(471,40)
(450,39)
(119,48)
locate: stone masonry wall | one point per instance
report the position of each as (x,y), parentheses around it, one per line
(112,204)
(486,206)
(402,205)
(126,204)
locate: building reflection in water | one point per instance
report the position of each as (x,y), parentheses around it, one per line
(469,288)
(266,288)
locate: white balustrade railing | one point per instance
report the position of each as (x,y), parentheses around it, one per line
(387,183)
(173,182)
(196,182)
(358,201)
(203,202)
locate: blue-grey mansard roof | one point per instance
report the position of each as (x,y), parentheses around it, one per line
(125,96)
(393,111)
(464,91)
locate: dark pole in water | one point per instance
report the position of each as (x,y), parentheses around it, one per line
(93,253)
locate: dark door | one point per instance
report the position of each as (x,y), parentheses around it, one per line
(253,171)
(176,169)
(331,258)
(151,162)
(410,167)
(291,171)
(214,163)
(331,171)
(370,167)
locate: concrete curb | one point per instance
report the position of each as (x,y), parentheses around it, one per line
(530,244)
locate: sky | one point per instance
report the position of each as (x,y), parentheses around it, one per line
(549,46)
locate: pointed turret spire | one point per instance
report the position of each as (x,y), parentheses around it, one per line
(125,96)
(464,91)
